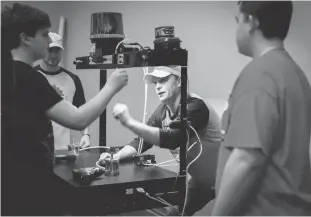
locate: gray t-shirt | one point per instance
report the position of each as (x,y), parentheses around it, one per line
(270,109)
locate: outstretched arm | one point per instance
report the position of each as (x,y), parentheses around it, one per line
(69,116)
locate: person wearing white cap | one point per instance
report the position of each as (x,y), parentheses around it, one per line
(158,132)
(68,85)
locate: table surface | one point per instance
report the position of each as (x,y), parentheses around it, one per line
(129,173)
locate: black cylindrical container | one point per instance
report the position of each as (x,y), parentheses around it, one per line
(106,31)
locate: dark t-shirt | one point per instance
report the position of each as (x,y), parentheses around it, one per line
(32,139)
(27,182)
(203,170)
(270,109)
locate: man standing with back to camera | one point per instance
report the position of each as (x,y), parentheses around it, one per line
(263,164)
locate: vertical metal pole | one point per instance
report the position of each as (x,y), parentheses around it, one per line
(102,118)
(183,116)
(183,148)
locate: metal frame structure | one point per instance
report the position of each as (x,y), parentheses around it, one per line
(145,58)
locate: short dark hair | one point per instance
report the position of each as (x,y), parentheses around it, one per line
(21,19)
(274,16)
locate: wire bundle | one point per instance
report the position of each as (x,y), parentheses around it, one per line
(141,140)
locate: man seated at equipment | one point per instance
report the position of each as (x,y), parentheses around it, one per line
(158,132)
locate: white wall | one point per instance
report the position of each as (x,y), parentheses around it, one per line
(204,28)
(207,30)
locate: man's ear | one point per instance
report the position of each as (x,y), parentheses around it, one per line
(179,81)
(25,39)
(253,23)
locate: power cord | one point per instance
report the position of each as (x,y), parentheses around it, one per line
(141,140)
(124,40)
(186,194)
(159,199)
(92,147)
(98,165)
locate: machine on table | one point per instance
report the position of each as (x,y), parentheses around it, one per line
(111,52)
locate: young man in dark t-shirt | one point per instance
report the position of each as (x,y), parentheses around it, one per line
(264,167)
(157,132)
(29,186)
(27,160)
